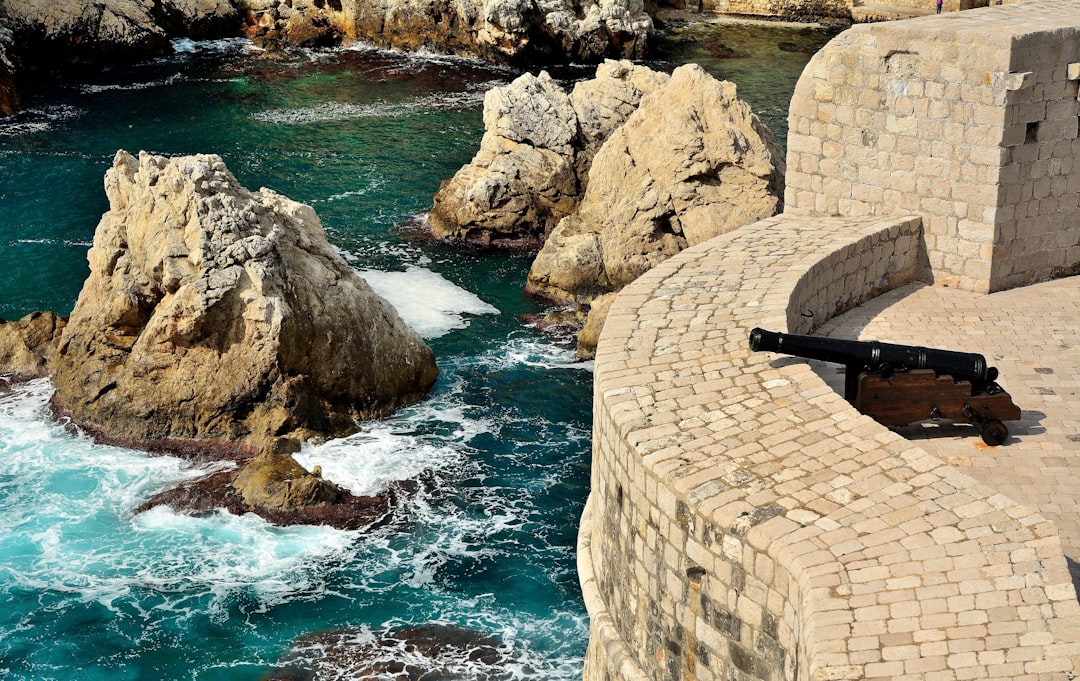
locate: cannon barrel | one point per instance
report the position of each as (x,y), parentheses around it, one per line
(875,357)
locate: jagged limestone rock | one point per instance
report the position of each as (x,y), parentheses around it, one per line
(604,103)
(690,163)
(534,158)
(28,346)
(273,480)
(216,313)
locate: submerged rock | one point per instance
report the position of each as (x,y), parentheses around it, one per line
(216,314)
(333,507)
(534,158)
(417,653)
(690,163)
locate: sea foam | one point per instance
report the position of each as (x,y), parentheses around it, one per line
(69,529)
(189,46)
(341,111)
(428,303)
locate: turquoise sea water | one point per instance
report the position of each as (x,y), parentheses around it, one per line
(89,590)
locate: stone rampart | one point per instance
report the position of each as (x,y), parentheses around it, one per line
(968,120)
(745,522)
(797,10)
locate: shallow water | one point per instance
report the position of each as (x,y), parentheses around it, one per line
(90,590)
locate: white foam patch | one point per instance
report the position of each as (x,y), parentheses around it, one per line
(342,111)
(429,304)
(189,46)
(532,350)
(94,89)
(228,552)
(34,120)
(390,451)
(56,242)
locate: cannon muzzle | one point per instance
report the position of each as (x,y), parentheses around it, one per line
(878,358)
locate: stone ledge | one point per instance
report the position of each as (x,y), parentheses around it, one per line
(745,519)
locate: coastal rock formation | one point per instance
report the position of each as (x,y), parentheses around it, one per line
(534,158)
(213,313)
(9,93)
(28,346)
(92,30)
(36,34)
(277,489)
(506,31)
(81,32)
(690,163)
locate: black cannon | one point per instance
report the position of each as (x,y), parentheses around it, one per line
(901,384)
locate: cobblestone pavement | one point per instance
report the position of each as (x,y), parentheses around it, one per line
(1032,335)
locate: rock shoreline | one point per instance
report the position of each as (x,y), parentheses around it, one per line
(37,37)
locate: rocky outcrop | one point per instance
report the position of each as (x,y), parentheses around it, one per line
(9,93)
(81,32)
(213,313)
(94,30)
(534,159)
(506,31)
(274,487)
(28,346)
(690,163)
(64,33)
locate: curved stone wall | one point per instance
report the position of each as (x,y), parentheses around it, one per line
(746,523)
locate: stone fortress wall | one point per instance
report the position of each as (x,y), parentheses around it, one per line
(840,10)
(968,120)
(745,522)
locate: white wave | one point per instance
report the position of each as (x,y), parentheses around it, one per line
(94,89)
(373,186)
(532,350)
(341,111)
(389,451)
(406,253)
(55,242)
(197,565)
(429,304)
(345,255)
(66,511)
(189,46)
(35,120)
(229,552)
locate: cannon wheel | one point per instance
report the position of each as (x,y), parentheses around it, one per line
(994,433)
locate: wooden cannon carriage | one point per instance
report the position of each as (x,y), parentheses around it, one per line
(901,384)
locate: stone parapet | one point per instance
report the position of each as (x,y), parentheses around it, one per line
(745,522)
